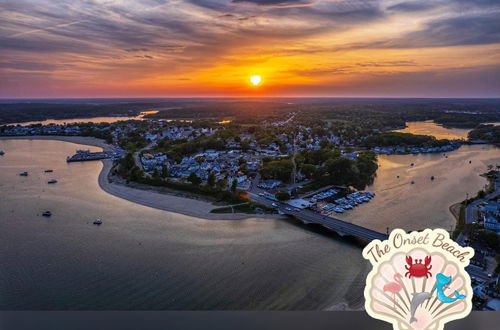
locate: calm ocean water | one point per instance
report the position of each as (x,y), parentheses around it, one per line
(142,258)
(424,204)
(431,128)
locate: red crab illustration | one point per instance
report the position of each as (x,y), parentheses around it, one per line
(418,269)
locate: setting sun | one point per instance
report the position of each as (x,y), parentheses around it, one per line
(255,80)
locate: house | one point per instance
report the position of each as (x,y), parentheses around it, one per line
(491,223)
(151,137)
(270,184)
(351,156)
(492,208)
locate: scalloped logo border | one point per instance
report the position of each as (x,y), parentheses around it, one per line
(429,240)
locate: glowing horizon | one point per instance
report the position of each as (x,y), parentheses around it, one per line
(299,48)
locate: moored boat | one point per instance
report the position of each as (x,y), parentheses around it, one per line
(97,222)
(52,181)
(339,210)
(2,152)
(23,173)
(49,171)
(47,213)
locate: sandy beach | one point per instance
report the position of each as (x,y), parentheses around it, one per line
(161,201)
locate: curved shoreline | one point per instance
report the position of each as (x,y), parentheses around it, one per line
(164,202)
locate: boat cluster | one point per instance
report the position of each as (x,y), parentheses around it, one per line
(51,181)
(415,150)
(324,195)
(49,214)
(349,202)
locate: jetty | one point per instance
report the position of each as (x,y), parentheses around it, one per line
(86,155)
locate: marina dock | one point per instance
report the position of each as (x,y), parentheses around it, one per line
(86,155)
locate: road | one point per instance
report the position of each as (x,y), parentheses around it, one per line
(472,209)
(136,155)
(294,170)
(478,273)
(471,212)
(306,216)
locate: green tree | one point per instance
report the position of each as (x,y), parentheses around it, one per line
(308,170)
(490,238)
(366,163)
(340,170)
(324,143)
(299,159)
(245,145)
(194,179)
(282,196)
(211,180)
(277,169)
(234,184)
(164,172)
(222,184)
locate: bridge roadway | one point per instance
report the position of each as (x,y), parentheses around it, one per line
(339,226)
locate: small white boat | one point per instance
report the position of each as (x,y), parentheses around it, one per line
(97,222)
(52,181)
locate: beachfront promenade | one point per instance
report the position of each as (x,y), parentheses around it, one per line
(309,217)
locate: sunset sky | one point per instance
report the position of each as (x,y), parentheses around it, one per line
(163,48)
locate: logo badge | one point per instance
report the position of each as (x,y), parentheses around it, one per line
(418,280)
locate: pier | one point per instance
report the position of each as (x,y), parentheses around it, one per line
(86,155)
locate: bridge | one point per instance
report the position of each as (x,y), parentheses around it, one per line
(341,227)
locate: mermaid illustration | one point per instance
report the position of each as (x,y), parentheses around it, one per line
(441,283)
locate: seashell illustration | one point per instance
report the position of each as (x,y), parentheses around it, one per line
(412,301)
